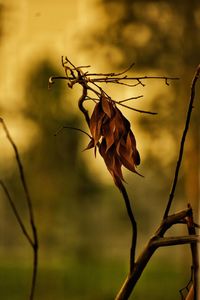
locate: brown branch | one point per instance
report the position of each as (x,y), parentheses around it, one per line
(34,243)
(85,80)
(133,224)
(171,220)
(137,78)
(194,252)
(176,240)
(131,98)
(135,109)
(113,80)
(81,107)
(187,123)
(153,244)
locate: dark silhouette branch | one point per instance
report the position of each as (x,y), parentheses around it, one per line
(34,240)
(133,224)
(190,107)
(16,213)
(73,128)
(137,110)
(131,98)
(118,80)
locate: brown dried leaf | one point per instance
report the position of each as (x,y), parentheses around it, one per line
(96,122)
(119,125)
(127,152)
(112,161)
(126,123)
(136,155)
(126,158)
(108,130)
(118,145)
(102,148)
(117,168)
(107,106)
(90,145)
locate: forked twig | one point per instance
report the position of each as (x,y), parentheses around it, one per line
(75,75)
(34,240)
(73,128)
(158,240)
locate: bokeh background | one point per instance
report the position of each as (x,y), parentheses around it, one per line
(84,231)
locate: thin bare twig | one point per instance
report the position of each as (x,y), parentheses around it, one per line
(73,128)
(34,243)
(131,98)
(176,175)
(16,213)
(137,110)
(87,79)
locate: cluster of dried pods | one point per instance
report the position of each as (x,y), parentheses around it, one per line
(111,133)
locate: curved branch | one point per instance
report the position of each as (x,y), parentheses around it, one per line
(73,128)
(80,104)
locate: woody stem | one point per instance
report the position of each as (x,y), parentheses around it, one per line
(134,226)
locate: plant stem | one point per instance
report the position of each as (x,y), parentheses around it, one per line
(180,156)
(133,224)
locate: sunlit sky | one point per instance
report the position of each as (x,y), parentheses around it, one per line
(36,29)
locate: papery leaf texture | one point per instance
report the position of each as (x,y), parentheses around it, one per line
(111,133)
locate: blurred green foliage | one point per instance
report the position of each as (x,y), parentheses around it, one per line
(91,279)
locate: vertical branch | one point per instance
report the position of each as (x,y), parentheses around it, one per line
(194,252)
(133,224)
(34,243)
(173,188)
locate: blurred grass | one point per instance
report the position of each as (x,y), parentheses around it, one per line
(91,280)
